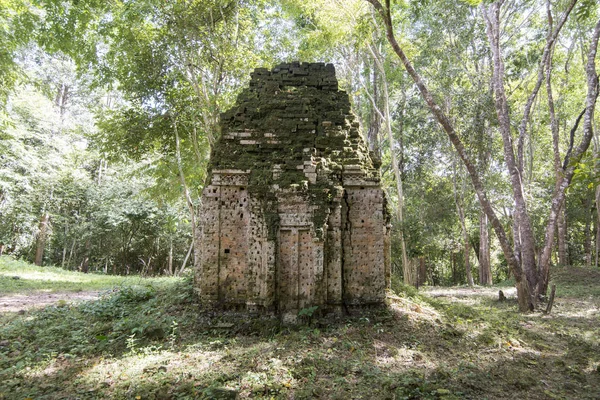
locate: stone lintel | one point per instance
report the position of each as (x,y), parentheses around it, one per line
(288,220)
(230,171)
(351,182)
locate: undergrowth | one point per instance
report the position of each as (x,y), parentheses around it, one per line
(154,341)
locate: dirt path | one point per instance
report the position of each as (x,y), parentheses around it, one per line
(23,302)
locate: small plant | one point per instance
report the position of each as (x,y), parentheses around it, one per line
(132,344)
(173,334)
(308,313)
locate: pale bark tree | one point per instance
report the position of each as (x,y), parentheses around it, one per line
(576,155)
(40,243)
(485,270)
(537,274)
(597,203)
(188,199)
(408,267)
(460,209)
(526,301)
(375,119)
(554,127)
(588,204)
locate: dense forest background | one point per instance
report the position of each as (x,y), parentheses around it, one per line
(109,110)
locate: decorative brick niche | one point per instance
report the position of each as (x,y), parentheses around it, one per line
(293,214)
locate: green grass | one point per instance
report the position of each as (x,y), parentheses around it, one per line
(21,277)
(153,341)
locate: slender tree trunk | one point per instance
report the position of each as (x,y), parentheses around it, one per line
(71,253)
(597,225)
(64,252)
(559,194)
(86,257)
(375,121)
(465,232)
(468,262)
(170,258)
(593,233)
(485,270)
(41,238)
(187,256)
(521,216)
(453,266)
(188,197)
(422,276)
(409,274)
(587,243)
(526,302)
(563,249)
(554,127)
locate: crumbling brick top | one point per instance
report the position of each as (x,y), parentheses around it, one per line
(293,129)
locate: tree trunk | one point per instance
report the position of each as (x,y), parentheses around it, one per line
(463,226)
(86,259)
(587,243)
(407,267)
(188,198)
(468,262)
(71,253)
(375,121)
(187,256)
(453,264)
(563,249)
(597,225)
(41,238)
(521,216)
(170,259)
(485,270)
(554,127)
(569,168)
(422,275)
(64,252)
(523,290)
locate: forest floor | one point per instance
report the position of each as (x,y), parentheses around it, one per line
(149,339)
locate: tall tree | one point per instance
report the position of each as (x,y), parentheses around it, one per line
(527,277)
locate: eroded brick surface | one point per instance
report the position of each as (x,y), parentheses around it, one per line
(293,211)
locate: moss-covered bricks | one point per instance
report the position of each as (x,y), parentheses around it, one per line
(293,212)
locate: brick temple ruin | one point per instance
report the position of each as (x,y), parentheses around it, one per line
(293,214)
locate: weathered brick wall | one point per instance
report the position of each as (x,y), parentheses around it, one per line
(293,211)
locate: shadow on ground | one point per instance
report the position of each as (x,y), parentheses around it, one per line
(415,348)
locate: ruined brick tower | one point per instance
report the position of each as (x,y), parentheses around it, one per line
(293,214)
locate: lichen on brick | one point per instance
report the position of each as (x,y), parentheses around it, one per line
(293,149)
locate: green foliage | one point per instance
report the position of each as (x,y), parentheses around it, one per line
(308,313)
(586,9)
(401,289)
(17,24)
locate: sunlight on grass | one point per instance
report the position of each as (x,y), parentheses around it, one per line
(20,277)
(131,374)
(51,277)
(154,341)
